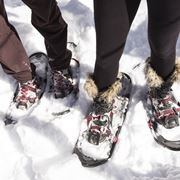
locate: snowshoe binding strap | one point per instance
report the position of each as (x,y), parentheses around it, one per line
(168,118)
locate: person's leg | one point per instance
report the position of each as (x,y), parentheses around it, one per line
(15,62)
(47,19)
(112,22)
(13,57)
(113,19)
(163,29)
(4,14)
(162,71)
(109,92)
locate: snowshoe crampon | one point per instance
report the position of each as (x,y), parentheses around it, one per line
(99,134)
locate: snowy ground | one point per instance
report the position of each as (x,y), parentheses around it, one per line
(38,149)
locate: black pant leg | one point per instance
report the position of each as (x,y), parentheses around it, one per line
(163,30)
(112,22)
(47,19)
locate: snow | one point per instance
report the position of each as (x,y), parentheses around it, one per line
(38,149)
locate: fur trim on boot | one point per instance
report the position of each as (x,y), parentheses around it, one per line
(155,81)
(91,87)
(107,95)
(176,75)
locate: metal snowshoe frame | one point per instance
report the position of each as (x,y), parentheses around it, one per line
(172,145)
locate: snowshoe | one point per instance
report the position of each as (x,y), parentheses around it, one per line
(100,129)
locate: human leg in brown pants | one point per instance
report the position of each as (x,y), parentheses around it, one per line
(13,57)
(15,62)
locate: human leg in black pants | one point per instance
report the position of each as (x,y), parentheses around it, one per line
(103,123)
(161,71)
(47,19)
(112,21)
(163,30)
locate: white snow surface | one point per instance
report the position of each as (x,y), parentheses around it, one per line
(40,149)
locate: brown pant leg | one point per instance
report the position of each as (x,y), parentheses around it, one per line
(13,57)
(47,19)
(4,14)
